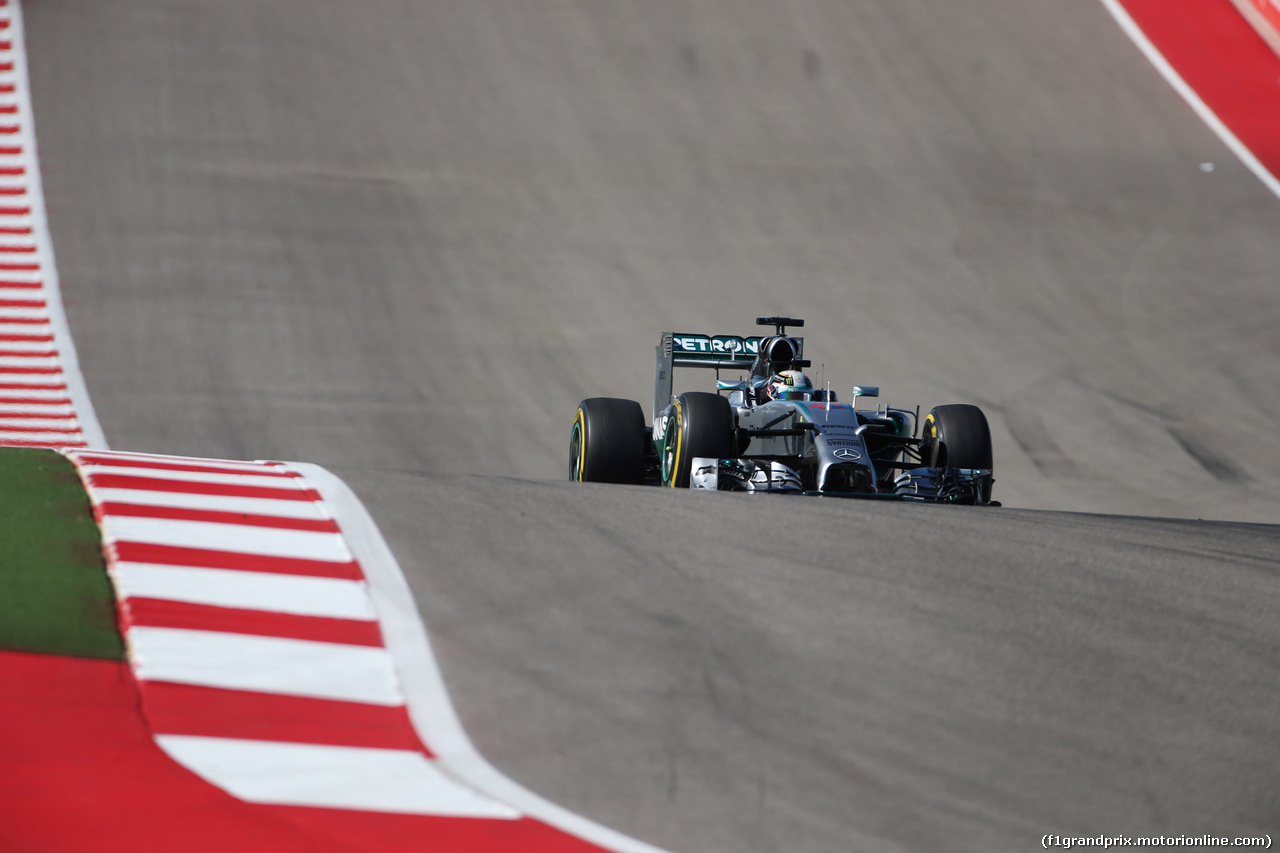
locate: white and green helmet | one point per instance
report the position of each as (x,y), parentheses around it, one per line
(790,385)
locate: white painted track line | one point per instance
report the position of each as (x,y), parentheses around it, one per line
(1174,79)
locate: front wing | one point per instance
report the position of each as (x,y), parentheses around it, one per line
(934,485)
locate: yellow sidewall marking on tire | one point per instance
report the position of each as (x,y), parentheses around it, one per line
(929,433)
(675,461)
(580,424)
(930,427)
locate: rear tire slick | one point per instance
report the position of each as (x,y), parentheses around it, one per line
(607,443)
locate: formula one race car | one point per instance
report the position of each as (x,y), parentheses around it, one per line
(773,431)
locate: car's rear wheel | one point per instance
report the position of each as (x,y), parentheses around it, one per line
(956,436)
(607,444)
(701,424)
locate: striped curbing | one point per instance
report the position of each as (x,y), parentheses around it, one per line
(244,600)
(272,665)
(43,401)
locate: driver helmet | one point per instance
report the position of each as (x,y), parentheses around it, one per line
(789,385)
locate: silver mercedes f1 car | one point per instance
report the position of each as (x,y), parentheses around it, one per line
(773,431)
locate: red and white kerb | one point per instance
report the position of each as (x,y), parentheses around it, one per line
(40,383)
(280,656)
(255,641)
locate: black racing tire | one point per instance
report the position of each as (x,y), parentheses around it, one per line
(701,424)
(956,436)
(607,444)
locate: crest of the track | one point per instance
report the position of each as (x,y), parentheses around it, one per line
(403,239)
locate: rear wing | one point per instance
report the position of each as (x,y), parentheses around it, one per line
(714,352)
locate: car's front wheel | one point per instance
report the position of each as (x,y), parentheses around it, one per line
(956,436)
(701,424)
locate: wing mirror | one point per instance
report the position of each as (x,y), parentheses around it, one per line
(866,391)
(731,385)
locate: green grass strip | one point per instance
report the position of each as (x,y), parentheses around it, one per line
(55,596)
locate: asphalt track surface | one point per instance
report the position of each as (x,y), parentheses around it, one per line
(403,239)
